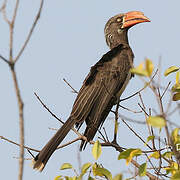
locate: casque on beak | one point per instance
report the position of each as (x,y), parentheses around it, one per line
(134,17)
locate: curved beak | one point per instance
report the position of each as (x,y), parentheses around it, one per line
(134,17)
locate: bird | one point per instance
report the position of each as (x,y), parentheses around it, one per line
(101,88)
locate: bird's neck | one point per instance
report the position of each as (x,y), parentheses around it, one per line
(119,39)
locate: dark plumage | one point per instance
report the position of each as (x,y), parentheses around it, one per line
(101,88)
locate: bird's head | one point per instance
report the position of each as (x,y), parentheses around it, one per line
(116,28)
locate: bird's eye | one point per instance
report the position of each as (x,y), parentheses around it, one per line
(119,20)
(110,36)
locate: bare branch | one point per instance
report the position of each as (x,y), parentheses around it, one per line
(21,122)
(71,142)
(143,109)
(12,142)
(105,134)
(15,11)
(146,114)
(30,32)
(3,10)
(4,59)
(135,133)
(35,150)
(55,115)
(74,91)
(116,123)
(130,109)
(140,89)
(11,30)
(131,120)
(165,90)
(103,137)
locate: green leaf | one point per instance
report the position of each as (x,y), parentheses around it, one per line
(129,154)
(149,138)
(90,178)
(167,155)
(176,88)
(171,70)
(95,165)
(173,168)
(135,152)
(75,178)
(66,166)
(117,177)
(58,178)
(125,154)
(85,167)
(139,70)
(156,121)
(178,77)
(176,176)
(149,67)
(175,134)
(68,178)
(176,97)
(155,155)
(103,172)
(142,169)
(96,150)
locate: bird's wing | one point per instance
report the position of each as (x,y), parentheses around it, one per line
(98,93)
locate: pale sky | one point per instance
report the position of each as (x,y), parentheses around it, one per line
(67,41)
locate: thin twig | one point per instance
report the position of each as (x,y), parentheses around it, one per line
(143,109)
(11,29)
(103,137)
(31,153)
(12,142)
(3,10)
(74,91)
(54,114)
(39,99)
(164,116)
(135,133)
(15,12)
(130,110)
(129,119)
(165,90)
(147,84)
(35,150)
(146,114)
(4,59)
(106,134)
(116,123)
(70,142)
(153,141)
(30,32)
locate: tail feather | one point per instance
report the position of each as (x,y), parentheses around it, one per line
(42,158)
(89,133)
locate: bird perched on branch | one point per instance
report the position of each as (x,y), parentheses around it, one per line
(102,87)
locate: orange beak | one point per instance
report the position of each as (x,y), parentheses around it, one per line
(134,17)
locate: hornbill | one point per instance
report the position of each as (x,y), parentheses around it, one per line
(101,88)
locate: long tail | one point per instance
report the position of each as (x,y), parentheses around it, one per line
(42,158)
(89,134)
